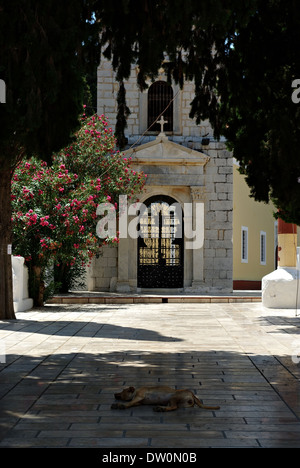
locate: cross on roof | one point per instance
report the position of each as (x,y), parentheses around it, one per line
(162,122)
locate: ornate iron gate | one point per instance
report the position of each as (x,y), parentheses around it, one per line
(160,246)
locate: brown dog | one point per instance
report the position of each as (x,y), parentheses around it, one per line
(167,398)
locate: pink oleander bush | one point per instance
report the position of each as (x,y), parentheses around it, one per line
(54,206)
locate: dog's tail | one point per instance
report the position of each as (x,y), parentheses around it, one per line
(198,403)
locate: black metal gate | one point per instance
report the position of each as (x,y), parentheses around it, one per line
(160,246)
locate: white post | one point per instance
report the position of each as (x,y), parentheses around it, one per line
(20,285)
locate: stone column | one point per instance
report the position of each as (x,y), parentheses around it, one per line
(198,195)
(123,277)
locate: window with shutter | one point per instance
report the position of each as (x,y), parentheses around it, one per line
(244,251)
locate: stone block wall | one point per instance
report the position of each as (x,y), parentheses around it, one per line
(217,176)
(218,248)
(103,271)
(186,131)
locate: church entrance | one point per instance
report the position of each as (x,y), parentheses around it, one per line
(160,245)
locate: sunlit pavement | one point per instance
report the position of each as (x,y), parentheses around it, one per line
(63,364)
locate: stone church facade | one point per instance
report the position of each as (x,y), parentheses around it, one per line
(186,168)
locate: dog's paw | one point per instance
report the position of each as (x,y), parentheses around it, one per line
(158,409)
(118,406)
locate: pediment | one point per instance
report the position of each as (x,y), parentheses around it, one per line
(162,151)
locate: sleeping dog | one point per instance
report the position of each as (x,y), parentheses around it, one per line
(167,398)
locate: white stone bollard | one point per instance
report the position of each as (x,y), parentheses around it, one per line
(20,285)
(281,289)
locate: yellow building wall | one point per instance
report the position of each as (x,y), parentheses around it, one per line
(256,217)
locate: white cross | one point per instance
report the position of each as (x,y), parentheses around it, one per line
(162,122)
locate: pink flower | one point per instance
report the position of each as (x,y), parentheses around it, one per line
(32,218)
(44,222)
(44,244)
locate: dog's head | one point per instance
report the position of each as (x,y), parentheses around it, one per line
(126,394)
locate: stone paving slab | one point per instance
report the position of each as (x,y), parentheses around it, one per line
(64,362)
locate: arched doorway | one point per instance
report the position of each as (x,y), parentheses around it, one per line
(160,245)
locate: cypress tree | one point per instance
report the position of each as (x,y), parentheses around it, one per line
(41,52)
(243,58)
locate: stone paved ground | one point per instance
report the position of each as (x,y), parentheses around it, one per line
(63,364)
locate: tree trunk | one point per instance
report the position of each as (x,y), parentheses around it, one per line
(6,284)
(38,286)
(62,277)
